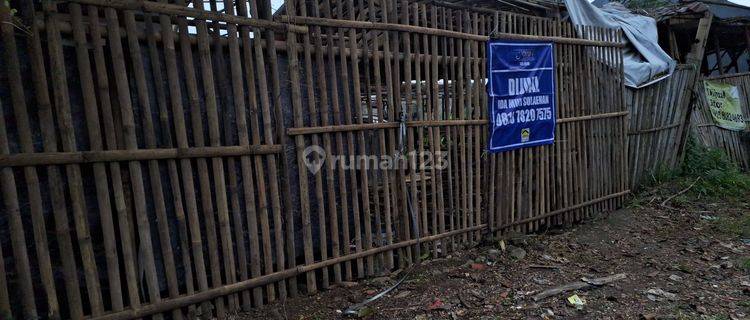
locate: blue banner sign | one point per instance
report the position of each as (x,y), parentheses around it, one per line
(522,94)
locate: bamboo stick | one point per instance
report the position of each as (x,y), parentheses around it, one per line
(289,241)
(111,142)
(217,164)
(136,177)
(100,173)
(185,11)
(294,71)
(18,241)
(73,172)
(325,22)
(31,177)
(153,166)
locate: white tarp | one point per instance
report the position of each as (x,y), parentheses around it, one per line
(645,62)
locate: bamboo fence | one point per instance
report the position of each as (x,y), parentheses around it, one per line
(708,133)
(658,116)
(153,154)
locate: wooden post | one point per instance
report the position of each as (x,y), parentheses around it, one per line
(694,57)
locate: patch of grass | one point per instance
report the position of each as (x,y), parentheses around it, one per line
(735,226)
(745,265)
(713,174)
(719,176)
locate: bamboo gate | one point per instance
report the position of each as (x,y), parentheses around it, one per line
(153,154)
(658,116)
(708,133)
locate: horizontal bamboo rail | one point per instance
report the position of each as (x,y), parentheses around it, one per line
(182,301)
(567,209)
(430,123)
(183,11)
(674,125)
(60,158)
(324,22)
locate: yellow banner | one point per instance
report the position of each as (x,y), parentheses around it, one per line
(724,102)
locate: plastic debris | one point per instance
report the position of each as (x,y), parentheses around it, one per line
(576,301)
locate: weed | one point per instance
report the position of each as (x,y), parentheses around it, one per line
(735,226)
(720,177)
(745,265)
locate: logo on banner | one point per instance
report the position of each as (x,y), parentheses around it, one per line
(525,133)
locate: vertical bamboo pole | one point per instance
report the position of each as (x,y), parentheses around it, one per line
(315,140)
(294,71)
(263,92)
(30,173)
(336,116)
(437,114)
(420,182)
(10,198)
(348,105)
(136,176)
(388,145)
(100,173)
(365,185)
(328,167)
(111,142)
(291,262)
(411,213)
(217,164)
(204,180)
(174,179)
(378,113)
(67,138)
(238,91)
(285,192)
(477,114)
(153,165)
(175,93)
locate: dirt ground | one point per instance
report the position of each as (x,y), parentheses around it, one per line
(689,261)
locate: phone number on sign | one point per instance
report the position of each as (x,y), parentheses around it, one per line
(522,116)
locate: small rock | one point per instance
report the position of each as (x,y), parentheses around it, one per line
(493,255)
(380,280)
(548,314)
(659,295)
(348,284)
(516,253)
(402,294)
(675,278)
(701,309)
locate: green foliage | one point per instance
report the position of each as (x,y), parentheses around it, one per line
(735,226)
(745,265)
(646,4)
(716,175)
